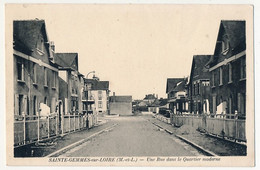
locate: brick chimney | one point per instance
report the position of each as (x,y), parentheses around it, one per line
(52,46)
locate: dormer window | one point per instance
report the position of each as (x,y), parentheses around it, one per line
(225,46)
(40,46)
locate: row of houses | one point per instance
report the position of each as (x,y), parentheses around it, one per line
(217,83)
(47,82)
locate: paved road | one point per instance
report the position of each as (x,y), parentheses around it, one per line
(133,136)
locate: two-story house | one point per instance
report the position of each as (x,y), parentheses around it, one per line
(228,70)
(70,82)
(98,92)
(35,73)
(198,88)
(176,94)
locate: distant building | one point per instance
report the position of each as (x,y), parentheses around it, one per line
(149,98)
(35,72)
(228,70)
(70,82)
(176,93)
(198,86)
(99,92)
(157,105)
(121,105)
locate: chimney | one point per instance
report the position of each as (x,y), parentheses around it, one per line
(52,46)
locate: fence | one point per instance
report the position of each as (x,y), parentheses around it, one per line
(28,129)
(230,128)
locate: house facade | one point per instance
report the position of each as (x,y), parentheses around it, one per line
(176,94)
(198,87)
(35,71)
(70,81)
(228,70)
(98,92)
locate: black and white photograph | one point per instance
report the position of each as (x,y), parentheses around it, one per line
(129,85)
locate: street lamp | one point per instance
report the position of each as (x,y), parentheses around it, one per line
(90,73)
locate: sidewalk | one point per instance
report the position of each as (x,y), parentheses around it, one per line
(218,146)
(60,142)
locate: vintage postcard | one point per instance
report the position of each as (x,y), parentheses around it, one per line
(129,85)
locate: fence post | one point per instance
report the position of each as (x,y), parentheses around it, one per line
(56,117)
(62,121)
(38,130)
(48,121)
(236,130)
(69,122)
(79,121)
(24,128)
(74,121)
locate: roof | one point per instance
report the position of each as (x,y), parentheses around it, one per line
(198,67)
(171,83)
(124,99)
(67,60)
(235,32)
(98,85)
(159,102)
(180,86)
(26,34)
(150,96)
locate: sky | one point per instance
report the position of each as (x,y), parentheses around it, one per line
(134,47)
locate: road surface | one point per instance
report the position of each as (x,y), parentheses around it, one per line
(132,136)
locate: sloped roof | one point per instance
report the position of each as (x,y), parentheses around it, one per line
(171,83)
(180,86)
(67,60)
(159,102)
(123,99)
(150,96)
(236,34)
(198,67)
(98,85)
(26,34)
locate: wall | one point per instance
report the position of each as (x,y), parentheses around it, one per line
(121,108)
(104,108)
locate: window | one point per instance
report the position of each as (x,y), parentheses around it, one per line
(45,100)
(99,95)
(213,79)
(100,104)
(20,105)
(229,73)
(230,105)
(194,89)
(225,46)
(34,105)
(34,73)
(45,77)
(40,44)
(198,88)
(20,71)
(220,76)
(243,68)
(54,79)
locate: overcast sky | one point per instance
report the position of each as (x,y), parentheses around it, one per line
(135,47)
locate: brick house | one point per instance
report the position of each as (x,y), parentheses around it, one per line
(70,82)
(176,94)
(198,86)
(35,72)
(228,70)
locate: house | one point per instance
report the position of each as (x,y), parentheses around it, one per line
(149,98)
(228,70)
(121,105)
(35,71)
(198,86)
(70,81)
(157,105)
(176,94)
(98,92)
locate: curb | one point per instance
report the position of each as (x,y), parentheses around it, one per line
(205,151)
(65,149)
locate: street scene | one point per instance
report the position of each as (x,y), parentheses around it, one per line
(89,100)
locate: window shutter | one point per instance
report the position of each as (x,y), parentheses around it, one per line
(16,104)
(239,103)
